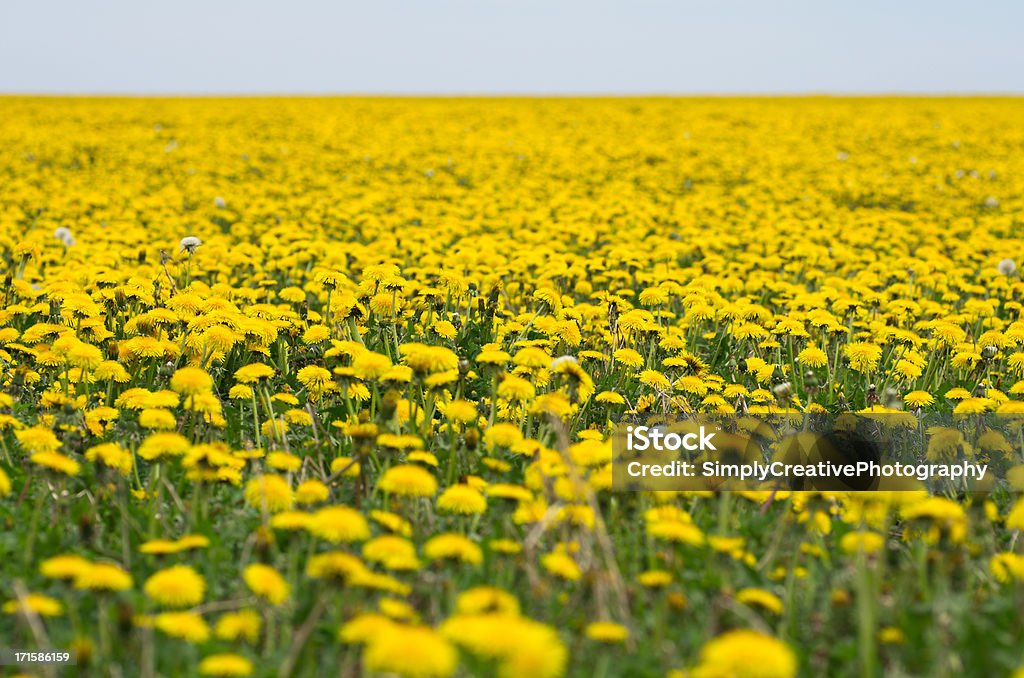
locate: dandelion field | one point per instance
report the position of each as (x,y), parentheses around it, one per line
(295,386)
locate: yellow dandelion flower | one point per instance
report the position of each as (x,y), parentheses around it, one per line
(812,356)
(225,664)
(761,598)
(35,603)
(188,626)
(453,546)
(339,524)
(266,583)
(241,625)
(176,586)
(746,653)
(253,373)
(191,381)
(63,566)
(410,652)
(462,499)
(269,493)
(113,456)
(38,439)
(102,577)
(311,492)
(408,480)
(606,632)
(55,461)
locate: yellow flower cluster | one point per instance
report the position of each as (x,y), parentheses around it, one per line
(287,384)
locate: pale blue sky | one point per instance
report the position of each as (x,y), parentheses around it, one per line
(511,46)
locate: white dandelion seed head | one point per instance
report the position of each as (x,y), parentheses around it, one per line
(562,359)
(893,401)
(1007,266)
(190,243)
(63,233)
(220,202)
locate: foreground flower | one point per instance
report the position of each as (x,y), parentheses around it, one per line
(745,654)
(189,244)
(521,646)
(411,652)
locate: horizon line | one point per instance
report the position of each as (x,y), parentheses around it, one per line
(513,94)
